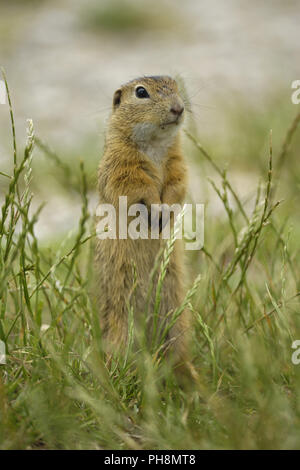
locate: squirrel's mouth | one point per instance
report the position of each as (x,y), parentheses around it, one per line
(169,123)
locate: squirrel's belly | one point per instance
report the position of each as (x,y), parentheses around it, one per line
(129,271)
(117,259)
(126,265)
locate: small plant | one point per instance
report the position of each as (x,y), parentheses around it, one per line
(126,16)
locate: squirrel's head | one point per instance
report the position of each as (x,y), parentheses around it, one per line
(148,108)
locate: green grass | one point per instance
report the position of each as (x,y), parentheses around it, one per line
(116,16)
(55,390)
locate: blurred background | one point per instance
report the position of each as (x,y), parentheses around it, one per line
(64,59)
(235,61)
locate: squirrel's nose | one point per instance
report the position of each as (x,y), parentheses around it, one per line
(177,109)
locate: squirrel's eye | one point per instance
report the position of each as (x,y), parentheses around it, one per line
(141,92)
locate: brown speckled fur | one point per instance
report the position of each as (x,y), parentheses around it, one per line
(126,170)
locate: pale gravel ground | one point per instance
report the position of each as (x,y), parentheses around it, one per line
(63,77)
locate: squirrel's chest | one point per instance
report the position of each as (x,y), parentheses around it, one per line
(160,174)
(157,172)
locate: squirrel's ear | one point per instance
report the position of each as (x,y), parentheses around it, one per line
(117,98)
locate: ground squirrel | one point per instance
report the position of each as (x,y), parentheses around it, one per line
(143,161)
